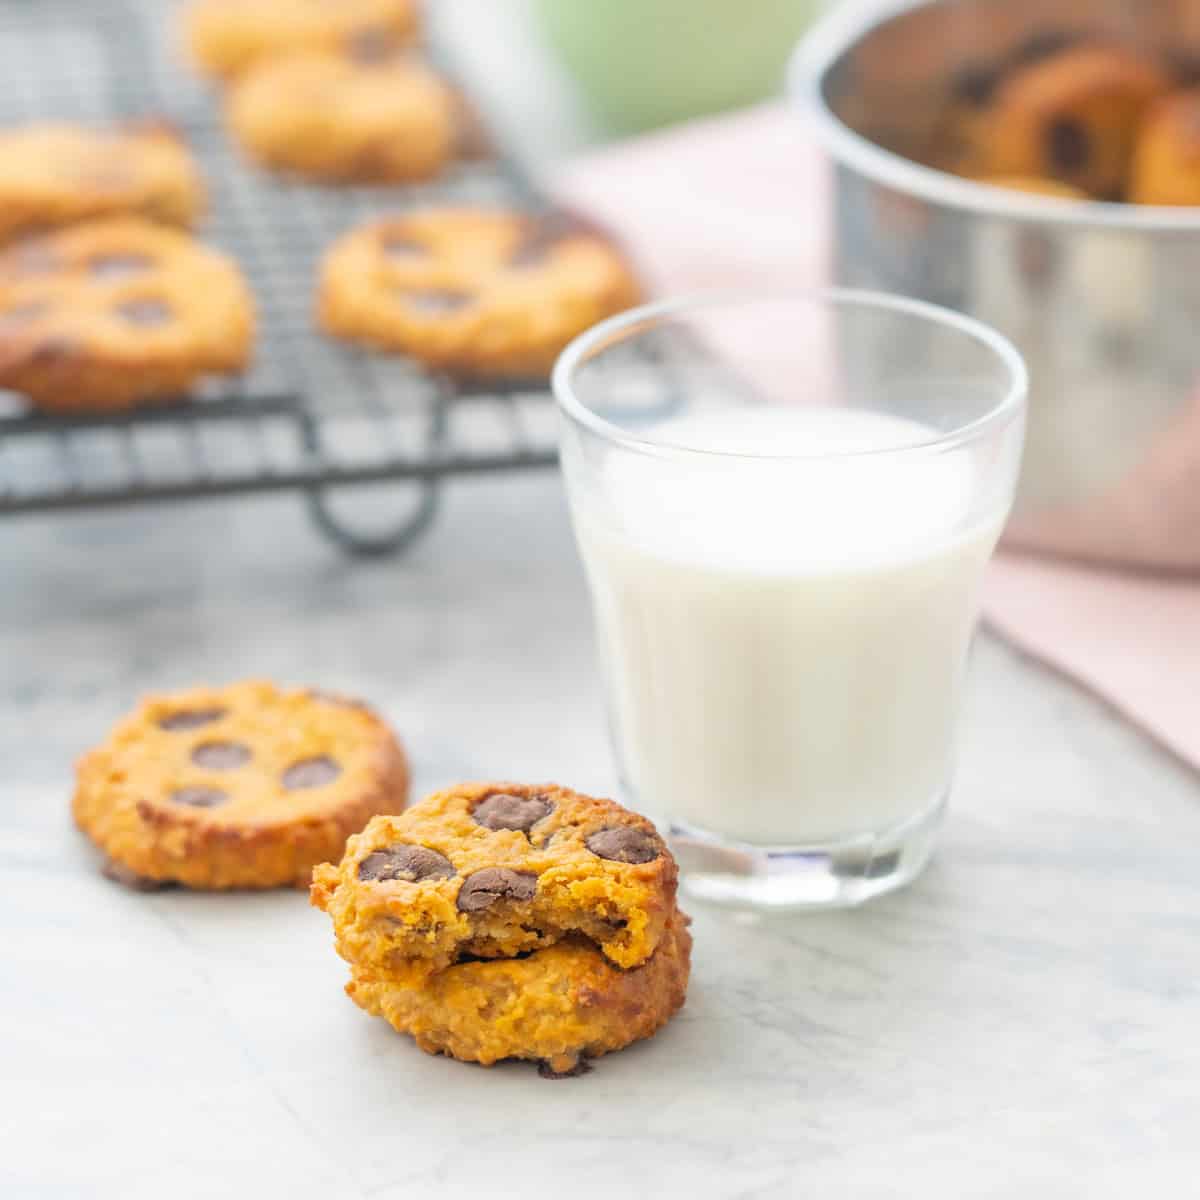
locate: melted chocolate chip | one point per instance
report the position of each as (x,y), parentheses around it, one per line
(145,312)
(200,797)
(1185,65)
(411,863)
(502,810)
(533,249)
(119,266)
(221,756)
(1068,145)
(194,718)
(372,46)
(311,773)
(493,884)
(53,351)
(1042,45)
(434,301)
(975,84)
(624,844)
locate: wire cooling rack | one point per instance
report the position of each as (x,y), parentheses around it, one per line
(311,416)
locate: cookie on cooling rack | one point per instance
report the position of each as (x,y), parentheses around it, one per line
(371,112)
(115,313)
(57,174)
(473,291)
(497,871)
(559,1006)
(227,36)
(239,787)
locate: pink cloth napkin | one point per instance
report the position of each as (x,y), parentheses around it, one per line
(745,199)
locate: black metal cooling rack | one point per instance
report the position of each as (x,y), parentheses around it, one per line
(311,416)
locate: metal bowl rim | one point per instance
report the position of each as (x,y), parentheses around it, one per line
(839,31)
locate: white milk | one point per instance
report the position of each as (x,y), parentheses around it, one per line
(784,642)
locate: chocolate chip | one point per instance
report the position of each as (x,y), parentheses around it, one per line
(221,756)
(624,844)
(371,46)
(533,250)
(403,248)
(52,351)
(546,1071)
(200,797)
(119,266)
(435,301)
(975,84)
(1042,45)
(493,884)
(1185,65)
(311,773)
(145,312)
(411,863)
(544,232)
(1068,145)
(193,718)
(502,810)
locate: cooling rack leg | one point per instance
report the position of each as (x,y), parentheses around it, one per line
(375,544)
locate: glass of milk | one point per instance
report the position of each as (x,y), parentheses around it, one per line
(784,505)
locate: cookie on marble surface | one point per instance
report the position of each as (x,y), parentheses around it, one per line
(495,870)
(54,174)
(228,36)
(371,112)
(1166,164)
(473,291)
(559,1006)
(246,786)
(114,313)
(1072,117)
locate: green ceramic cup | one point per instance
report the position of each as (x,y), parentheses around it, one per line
(643,63)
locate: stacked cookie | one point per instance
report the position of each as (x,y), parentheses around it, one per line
(496,921)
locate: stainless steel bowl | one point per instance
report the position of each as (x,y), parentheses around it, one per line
(1103,299)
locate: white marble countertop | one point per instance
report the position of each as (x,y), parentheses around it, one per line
(1022,1021)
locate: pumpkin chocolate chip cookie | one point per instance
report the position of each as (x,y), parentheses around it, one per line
(227,36)
(560,1005)
(495,871)
(240,787)
(371,112)
(1166,166)
(58,174)
(1073,117)
(473,291)
(113,313)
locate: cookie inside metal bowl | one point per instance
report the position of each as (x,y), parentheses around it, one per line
(1102,297)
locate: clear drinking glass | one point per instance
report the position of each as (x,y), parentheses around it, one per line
(784,505)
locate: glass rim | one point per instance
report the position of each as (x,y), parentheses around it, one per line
(608,332)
